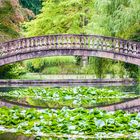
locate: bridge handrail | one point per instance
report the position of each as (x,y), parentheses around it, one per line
(71,41)
(106,37)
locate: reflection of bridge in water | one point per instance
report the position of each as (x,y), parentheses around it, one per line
(130,105)
(75,45)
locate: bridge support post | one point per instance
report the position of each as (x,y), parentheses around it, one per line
(84,61)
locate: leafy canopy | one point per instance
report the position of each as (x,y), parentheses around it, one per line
(61,17)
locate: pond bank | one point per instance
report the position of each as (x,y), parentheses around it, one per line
(67,82)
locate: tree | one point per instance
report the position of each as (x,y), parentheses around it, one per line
(11,15)
(34,5)
(119,18)
(61,17)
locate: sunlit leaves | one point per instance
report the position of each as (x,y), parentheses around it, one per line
(70,97)
(116,18)
(61,17)
(65,121)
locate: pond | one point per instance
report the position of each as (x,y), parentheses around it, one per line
(128,91)
(68,96)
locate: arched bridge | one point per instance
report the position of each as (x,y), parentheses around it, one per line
(77,45)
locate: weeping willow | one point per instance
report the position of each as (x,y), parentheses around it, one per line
(120,18)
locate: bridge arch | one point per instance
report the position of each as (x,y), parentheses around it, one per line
(68,44)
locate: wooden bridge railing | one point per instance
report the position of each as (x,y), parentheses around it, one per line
(92,42)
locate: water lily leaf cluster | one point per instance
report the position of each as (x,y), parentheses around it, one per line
(77,121)
(70,97)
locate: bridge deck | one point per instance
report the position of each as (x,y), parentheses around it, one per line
(82,45)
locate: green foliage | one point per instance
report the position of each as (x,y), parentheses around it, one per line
(12,71)
(61,17)
(38,65)
(119,18)
(116,18)
(69,123)
(70,97)
(133,70)
(101,68)
(34,5)
(6,28)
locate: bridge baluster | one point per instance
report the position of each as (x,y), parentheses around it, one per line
(69,42)
(4,49)
(53,42)
(95,43)
(65,42)
(130,48)
(135,48)
(102,40)
(23,44)
(100,47)
(47,41)
(32,43)
(87,42)
(91,42)
(113,44)
(39,42)
(1,49)
(56,42)
(98,43)
(60,42)
(10,47)
(116,46)
(109,44)
(104,44)
(44,42)
(81,41)
(138,48)
(121,46)
(125,47)
(77,41)
(17,49)
(27,45)
(36,43)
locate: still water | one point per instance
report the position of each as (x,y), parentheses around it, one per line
(135,89)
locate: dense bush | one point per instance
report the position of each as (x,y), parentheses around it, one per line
(12,71)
